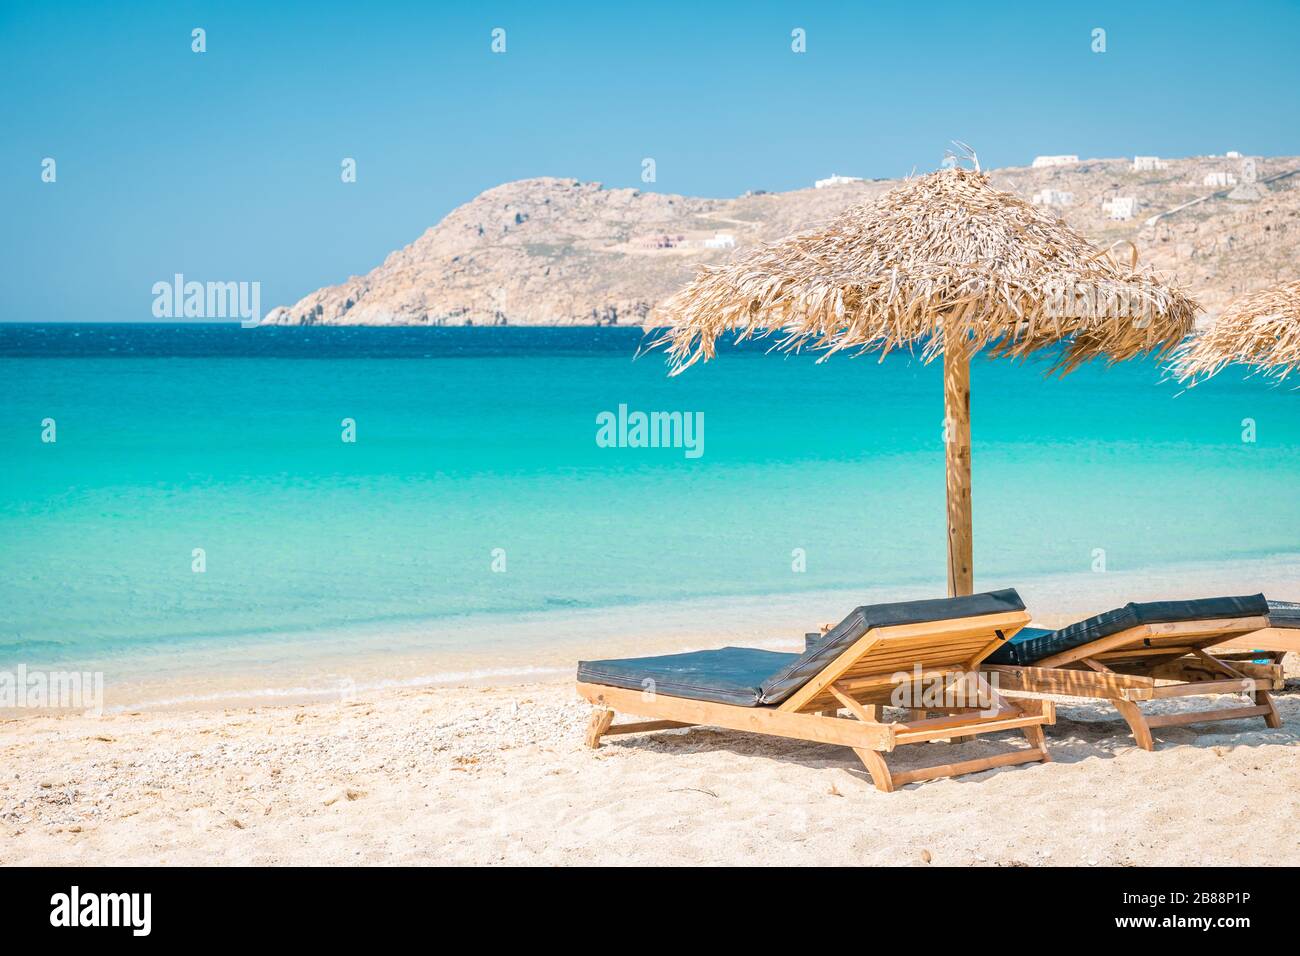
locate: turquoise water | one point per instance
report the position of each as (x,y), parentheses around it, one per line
(470,440)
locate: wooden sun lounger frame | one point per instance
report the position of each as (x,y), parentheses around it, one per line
(1274,643)
(861,680)
(1157,662)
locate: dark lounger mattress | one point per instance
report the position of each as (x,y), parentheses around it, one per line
(1034,644)
(749,677)
(1284,614)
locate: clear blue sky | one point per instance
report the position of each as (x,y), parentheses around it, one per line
(225,165)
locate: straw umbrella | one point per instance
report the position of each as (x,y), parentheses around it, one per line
(1261,330)
(948,265)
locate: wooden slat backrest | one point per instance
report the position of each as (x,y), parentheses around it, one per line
(1148,640)
(956,643)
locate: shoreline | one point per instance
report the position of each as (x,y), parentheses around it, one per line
(544,647)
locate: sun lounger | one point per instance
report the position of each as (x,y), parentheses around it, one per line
(922,655)
(1274,642)
(1144,652)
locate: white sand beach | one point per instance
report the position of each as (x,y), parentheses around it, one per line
(462,775)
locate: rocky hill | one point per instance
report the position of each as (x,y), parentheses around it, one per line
(562,252)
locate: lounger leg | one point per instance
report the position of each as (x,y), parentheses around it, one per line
(600,721)
(1264,699)
(976,688)
(1038,741)
(1136,721)
(876,766)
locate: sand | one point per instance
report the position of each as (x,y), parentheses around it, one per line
(471,775)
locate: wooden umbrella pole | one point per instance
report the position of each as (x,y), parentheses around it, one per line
(956,433)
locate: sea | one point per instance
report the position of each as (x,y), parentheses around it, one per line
(204,512)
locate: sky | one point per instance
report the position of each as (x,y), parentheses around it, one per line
(226,165)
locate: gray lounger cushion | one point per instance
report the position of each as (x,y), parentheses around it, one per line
(749,677)
(1034,644)
(1283,614)
(728,675)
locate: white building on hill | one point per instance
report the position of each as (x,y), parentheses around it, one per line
(720,240)
(1119,207)
(836,180)
(1053,197)
(1041,161)
(1220,178)
(1147,164)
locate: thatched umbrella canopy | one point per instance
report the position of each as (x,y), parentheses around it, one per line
(1261,330)
(945,264)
